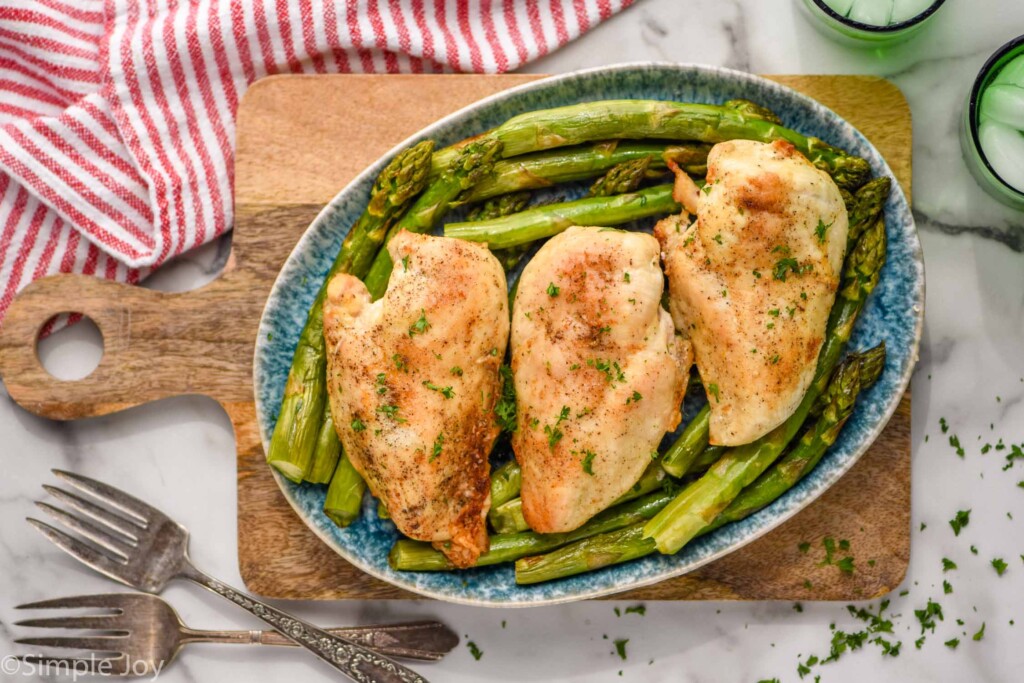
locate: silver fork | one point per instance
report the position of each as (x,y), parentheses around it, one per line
(143,548)
(141,634)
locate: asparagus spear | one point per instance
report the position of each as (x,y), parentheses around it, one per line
(754,110)
(700,503)
(655,119)
(855,374)
(326,452)
(505,483)
(545,221)
(499,206)
(545,169)
(472,163)
(301,414)
(868,204)
(507,518)
(345,494)
(409,555)
(620,179)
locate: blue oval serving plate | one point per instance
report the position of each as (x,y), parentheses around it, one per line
(894,314)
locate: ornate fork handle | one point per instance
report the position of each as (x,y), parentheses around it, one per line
(352,659)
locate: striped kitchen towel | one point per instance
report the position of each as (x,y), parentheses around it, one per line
(117,116)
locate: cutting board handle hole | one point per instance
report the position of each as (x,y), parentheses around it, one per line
(69,346)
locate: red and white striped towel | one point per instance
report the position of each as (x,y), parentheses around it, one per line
(117,116)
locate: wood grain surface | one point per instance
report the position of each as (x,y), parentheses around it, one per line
(302,138)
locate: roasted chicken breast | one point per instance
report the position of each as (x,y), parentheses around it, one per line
(753,279)
(599,372)
(413,379)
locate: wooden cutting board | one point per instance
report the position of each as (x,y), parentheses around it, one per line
(300,140)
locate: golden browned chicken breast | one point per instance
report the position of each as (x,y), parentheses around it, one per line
(753,279)
(599,372)
(413,379)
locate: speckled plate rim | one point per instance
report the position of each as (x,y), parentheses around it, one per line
(897,201)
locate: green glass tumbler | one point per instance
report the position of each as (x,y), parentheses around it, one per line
(970,140)
(858,34)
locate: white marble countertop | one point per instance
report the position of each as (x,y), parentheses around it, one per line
(179,453)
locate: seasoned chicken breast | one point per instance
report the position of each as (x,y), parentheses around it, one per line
(753,279)
(599,372)
(413,379)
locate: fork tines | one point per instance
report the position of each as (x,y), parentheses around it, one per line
(111,522)
(110,642)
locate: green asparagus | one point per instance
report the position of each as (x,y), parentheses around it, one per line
(754,110)
(700,503)
(655,119)
(302,406)
(868,204)
(507,518)
(620,179)
(545,221)
(345,494)
(545,169)
(409,555)
(505,483)
(470,165)
(499,206)
(326,452)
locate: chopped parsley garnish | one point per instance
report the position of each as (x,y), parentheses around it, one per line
(774,359)
(637,609)
(952,643)
(563,414)
(718,238)
(381,387)
(787,265)
(438,446)
(713,390)
(421,325)
(804,547)
(553,290)
(635,398)
(1015,454)
(474,650)
(962,519)
(943,425)
(974,550)
(620,646)
(980,634)
(444,391)
(845,565)
(625,276)
(954,441)
(613,373)
(457,371)
(399,362)
(357,425)
(554,435)
(948,565)
(821,229)
(588,461)
(999,565)
(757,274)
(928,615)
(390,411)
(405,263)
(505,408)
(774,313)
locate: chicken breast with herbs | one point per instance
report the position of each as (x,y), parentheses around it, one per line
(413,379)
(599,372)
(752,281)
